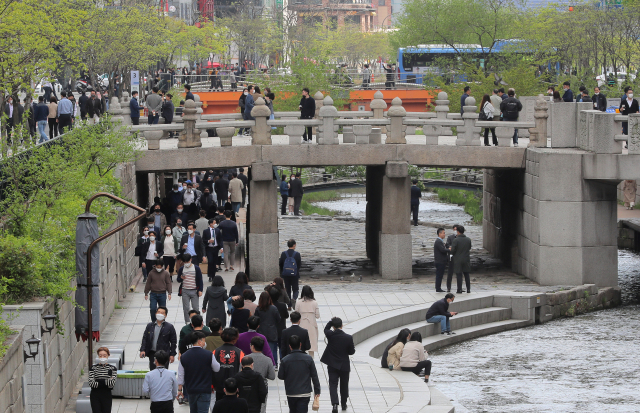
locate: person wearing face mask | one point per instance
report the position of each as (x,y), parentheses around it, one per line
(159,220)
(170,247)
(192,243)
(195,372)
(628,105)
(180,214)
(196,323)
(191,201)
(212,239)
(159,284)
(208,202)
(190,276)
(144,239)
(157,336)
(175,198)
(568,93)
(599,100)
(161,387)
(221,186)
(152,226)
(202,223)
(151,251)
(241,103)
(102,378)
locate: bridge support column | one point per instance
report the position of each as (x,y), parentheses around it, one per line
(262,223)
(394,248)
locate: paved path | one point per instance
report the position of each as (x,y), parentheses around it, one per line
(372,389)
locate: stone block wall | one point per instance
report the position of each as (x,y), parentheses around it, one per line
(11,374)
(577,301)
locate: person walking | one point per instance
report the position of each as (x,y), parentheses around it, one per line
(154,106)
(568,93)
(196,323)
(290,262)
(439,313)
(134,108)
(251,386)
(212,239)
(487,111)
(102,378)
(298,372)
(239,315)
(628,105)
(167,110)
(187,93)
(229,356)
(221,188)
(159,284)
(245,182)
(416,194)
(161,385)
(461,260)
(242,103)
(230,240)
(510,108)
(216,299)
(275,294)
(195,372)
(284,194)
(94,108)
(269,317)
(65,113)
(440,258)
(307,306)
(191,201)
(202,224)
(240,284)
(450,239)
(599,100)
(190,276)
(151,251)
(244,339)
(463,99)
(235,192)
(157,336)
(629,188)
(262,364)
(366,77)
(414,357)
(307,108)
(53,117)
(230,402)
(336,356)
(47,87)
(296,191)
(294,330)
(41,114)
(170,248)
(192,244)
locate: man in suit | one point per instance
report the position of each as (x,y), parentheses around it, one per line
(151,223)
(599,100)
(221,187)
(450,239)
(628,105)
(415,201)
(440,255)
(294,330)
(336,357)
(461,260)
(212,239)
(192,243)
(296,191)
(209,202)
(568,93)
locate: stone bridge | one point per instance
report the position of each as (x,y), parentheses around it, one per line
(549,212)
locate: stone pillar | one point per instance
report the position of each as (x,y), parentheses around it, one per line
(327,133)
(396,115)
(538,136)
(362,133)
(319,98)
(469,134)
(226,136)
(378,106)
(190,137)
(395,258)
(442,110)
(261,133)
(125,109)
(115,111)
(262,223)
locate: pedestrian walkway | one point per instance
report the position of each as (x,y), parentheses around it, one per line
(372,389)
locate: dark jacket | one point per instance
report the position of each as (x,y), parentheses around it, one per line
(298,371)
(166,342)
(94,107)
(295,188)
(460,250)
(167,110)
(269,321)
(294,330)
(198,246)
(145,248)
(440,252)
(229,357)
(198,277)
(415,195)
(252,388)
(216,297)
(206,236)
(568,96)
(510,108)
(249,103)
(296,256)
(284,316)
(229,231)
(440,307)
(41,112)
(221,187)
(339,348)
(308,110)
(189,95)
(238,289)
(134,108)
(184,338)
(625,109)
(82,103)
(239,319)
(231,404)
(198,374)
(241,101)
(244,179)
(284,188)
(599,102)
(183,216)
(463,98)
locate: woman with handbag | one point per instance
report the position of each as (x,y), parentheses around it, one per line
(487,113)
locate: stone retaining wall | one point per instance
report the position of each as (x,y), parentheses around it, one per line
(11,374)
(578,300)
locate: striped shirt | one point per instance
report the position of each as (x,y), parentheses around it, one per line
(102,376)
(189,277)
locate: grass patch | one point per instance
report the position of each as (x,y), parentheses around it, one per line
(310,209)
(5,332)
(471,202)
(321,196)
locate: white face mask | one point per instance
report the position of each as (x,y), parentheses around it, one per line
(190,231)
(188,265)
(168,232)
(630,95)
(597,93)
(103,360)
(146,233)
(152,238)
(246,93)
(160,317)
(159,269)
(189,190)
(179,210)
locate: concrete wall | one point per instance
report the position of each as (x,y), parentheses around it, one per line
(51,377)
(11,374)
(578,300)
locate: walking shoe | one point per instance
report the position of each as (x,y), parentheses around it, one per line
(450,333)
(344,407)
(335,409)
(442,332)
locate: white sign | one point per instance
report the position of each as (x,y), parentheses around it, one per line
(135,81)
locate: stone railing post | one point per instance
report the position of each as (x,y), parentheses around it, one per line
(347,135)
(442,110)
(199,112)
(376,136)
(604,129)
(538,136)
(190,137)
(469,134)
(295,133)
(226,135)
(261,133)
(153,138)
(125,109)
(327,133)
(378,106)
(396,115)
(319,98)
(362,133)
(115,111)
(634,136)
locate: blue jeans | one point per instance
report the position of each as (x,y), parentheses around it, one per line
(42,127)
(153,120)
(199,402)
(273,345)
(236,206)
(443,320)
(156,300)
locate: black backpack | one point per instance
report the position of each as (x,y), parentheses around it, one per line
(511,109)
